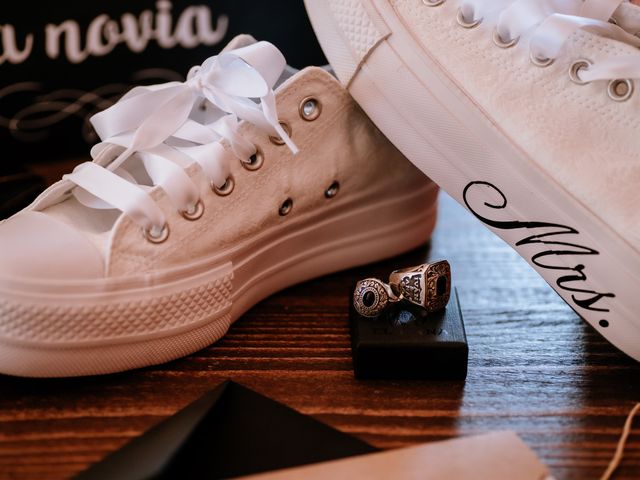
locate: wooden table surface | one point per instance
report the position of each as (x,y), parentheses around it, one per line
(534,367)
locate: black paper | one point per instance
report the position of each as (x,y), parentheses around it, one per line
(229,432)
(53,77)
(18,188)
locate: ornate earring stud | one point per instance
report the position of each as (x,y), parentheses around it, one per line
(427,285)
(372,296)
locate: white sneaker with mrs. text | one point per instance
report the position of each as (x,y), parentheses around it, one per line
(527,112)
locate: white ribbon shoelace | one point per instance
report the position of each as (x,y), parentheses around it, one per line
(154,128)
(553,23)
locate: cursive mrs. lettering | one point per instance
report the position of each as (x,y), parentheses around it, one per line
(552,239)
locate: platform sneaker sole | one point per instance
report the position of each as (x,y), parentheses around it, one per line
(98,327)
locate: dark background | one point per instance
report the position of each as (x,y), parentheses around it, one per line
(283,22)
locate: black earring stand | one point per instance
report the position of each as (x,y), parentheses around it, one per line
(406,343)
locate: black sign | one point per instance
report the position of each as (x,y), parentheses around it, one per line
(61,62)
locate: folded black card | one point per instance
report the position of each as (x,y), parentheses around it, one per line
(229,432)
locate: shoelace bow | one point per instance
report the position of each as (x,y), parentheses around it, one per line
(554,22)
(154,125)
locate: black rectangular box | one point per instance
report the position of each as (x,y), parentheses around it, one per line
(405,343)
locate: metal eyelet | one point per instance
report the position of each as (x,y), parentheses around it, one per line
(464,23)
(540,62)
(497,39)
(310,109)
(286,207)
(574,71)
(255,161)
(333,190)
(226,188)
(433,3)
(157,237)
(620,90)
(277,140)
(196,212)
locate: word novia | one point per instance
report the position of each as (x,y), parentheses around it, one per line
(193,27)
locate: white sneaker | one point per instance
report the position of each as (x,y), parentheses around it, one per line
(187,217)
(527,113)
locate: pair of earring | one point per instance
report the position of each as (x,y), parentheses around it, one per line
(428,286)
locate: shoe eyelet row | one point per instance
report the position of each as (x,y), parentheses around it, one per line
(255,162)
(465,23)
(157,237)
(309,109)
(618,90)
(287,206)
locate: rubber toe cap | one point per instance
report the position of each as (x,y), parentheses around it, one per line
(35,246)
